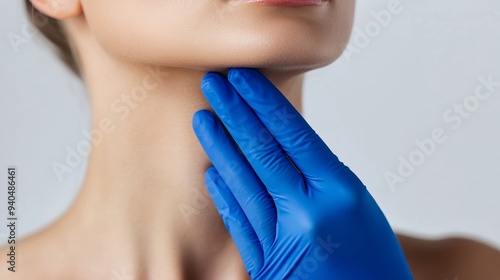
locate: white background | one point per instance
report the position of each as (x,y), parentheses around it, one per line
(370,106)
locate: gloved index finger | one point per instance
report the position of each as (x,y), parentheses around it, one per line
(303,146)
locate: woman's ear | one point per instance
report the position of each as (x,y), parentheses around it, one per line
(58,9)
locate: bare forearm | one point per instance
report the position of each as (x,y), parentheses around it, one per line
(451,258)
(473,260)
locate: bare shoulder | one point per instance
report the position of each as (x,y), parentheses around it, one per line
(451,258)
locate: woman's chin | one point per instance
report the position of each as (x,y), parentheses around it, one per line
(272,58)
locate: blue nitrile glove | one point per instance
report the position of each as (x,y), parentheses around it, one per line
(293,209)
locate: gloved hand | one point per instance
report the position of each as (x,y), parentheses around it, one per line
(292,208)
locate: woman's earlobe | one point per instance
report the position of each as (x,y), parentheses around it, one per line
(58,9)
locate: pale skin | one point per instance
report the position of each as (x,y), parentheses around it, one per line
(149,165)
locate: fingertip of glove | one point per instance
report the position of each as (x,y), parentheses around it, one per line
(214,175)
(209,174)
(234,74)
(210,180)
(201,118)
(208,80)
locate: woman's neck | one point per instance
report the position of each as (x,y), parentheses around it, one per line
(143,201)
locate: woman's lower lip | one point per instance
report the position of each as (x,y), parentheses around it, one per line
(285,2)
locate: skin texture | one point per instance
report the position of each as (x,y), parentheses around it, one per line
(210,34)
(143,207)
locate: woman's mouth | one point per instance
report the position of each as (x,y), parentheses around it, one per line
(284,2)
